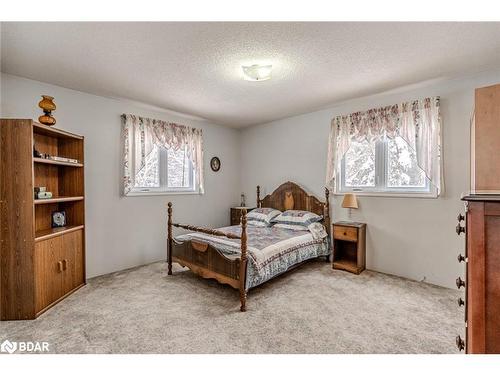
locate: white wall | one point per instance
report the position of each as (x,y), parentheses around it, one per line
(123,232)
(410,237)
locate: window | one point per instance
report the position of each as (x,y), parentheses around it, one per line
(386,167)
(161,157)
(368,150)
(165,170)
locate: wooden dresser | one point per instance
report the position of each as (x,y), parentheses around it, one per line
(481,278)
(39,264)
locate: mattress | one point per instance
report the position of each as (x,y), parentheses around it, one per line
(271,250)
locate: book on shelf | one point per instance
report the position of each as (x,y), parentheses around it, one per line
(60,158)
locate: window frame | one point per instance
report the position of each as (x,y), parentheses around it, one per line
(164,189)
(381,188)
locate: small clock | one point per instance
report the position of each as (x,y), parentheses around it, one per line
(58,219)
(215,164)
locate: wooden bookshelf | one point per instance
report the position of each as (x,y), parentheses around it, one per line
(40,267)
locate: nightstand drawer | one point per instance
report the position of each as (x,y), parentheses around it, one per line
(235,217)
(345,233)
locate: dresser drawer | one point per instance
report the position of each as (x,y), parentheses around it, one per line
(345,233)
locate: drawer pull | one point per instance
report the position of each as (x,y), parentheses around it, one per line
(345,233)
(459,229)
(460,343)
(460,258)
(460,283)
(460,302)
(460,218)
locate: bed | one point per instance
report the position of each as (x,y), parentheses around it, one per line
(246,256)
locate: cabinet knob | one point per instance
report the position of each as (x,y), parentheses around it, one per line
(60,266)
(460,258)
(460,343)
(460,229)
(460,283)
(460,302)
(460,218)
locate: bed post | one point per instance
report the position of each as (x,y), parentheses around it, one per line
(243,261)
(327,204)
(258,196)
(170,239)
(327,221)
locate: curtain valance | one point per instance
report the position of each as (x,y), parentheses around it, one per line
(142,134)
(418,122)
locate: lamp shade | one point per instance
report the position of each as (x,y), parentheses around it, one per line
(350,201)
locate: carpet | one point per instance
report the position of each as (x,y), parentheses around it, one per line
(312,309)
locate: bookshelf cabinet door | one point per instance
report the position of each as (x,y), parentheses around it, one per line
(73,260)
(48,272)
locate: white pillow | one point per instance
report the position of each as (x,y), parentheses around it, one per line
(261,217)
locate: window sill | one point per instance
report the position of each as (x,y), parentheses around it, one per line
(430,195)
(153,193)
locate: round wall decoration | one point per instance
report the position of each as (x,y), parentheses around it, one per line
(215,164)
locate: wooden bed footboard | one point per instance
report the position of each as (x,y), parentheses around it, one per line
(206,261)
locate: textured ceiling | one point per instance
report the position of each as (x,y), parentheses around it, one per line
(195,67)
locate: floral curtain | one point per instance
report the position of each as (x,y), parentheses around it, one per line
(418,122)
(141,134)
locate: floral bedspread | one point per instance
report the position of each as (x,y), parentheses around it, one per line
(271,251)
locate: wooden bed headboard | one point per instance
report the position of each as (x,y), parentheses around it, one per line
(290,196)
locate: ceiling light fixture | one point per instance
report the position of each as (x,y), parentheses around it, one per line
(257,72)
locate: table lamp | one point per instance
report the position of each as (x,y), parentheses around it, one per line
(350,202)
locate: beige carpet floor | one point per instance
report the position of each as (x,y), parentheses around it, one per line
(313,309)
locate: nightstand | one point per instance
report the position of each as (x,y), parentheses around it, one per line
(349,246)
(236,214)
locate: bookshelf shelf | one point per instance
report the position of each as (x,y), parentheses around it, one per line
(55,162)
(45,234)
(58,200)
(53,132)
